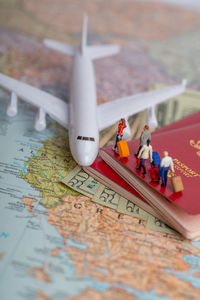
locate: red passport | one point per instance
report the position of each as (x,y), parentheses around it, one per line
(183,146)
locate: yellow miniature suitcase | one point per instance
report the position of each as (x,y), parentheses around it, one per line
(177,184)
(123,149)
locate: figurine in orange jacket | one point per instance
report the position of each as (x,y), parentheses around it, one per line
(121,126)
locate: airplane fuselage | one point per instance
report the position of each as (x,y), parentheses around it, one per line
(83,126)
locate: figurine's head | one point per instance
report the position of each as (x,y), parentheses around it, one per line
(146,127)
(165,153)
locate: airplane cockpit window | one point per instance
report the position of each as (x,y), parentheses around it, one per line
(85,138)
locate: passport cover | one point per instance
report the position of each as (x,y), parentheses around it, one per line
(186,121)
(183,145)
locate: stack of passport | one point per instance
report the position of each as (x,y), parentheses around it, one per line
(180,210)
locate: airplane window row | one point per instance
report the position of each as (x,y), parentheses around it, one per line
(85,138)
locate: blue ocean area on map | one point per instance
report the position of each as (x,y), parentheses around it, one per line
(72,242)
(23,168)
(103,270)
(196,244)
(33,254)
(150,295)
(194,262)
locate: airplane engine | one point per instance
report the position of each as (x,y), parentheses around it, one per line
(12,106)
(127,130)
(40,120)
(151,118)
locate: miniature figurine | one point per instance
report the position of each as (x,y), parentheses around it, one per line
(121,126)
(146,135)
(165,163)
(145,153)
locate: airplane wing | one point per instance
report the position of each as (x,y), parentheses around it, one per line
(111,112)
(55,107)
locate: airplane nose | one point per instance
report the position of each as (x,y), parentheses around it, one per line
(85,156)
(86,159)
(85,162)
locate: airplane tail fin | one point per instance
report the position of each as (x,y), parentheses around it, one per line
(93,52)
(66,48)
(84,35)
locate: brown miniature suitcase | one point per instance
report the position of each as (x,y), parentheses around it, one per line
(123,149)
(177,184)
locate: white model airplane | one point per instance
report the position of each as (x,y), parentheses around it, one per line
(82,116)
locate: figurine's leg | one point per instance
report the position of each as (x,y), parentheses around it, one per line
(143,165)
(139,168)
(161,172)
(116,141)
(165,175)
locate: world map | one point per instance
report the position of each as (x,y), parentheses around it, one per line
(54,242)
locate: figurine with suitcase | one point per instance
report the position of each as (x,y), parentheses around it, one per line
(176,181)
(121,146)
